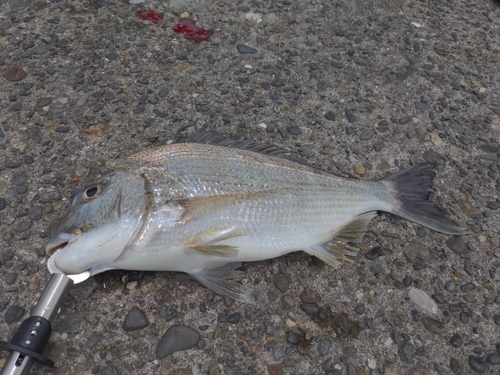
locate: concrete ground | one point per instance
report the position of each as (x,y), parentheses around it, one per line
(361,88)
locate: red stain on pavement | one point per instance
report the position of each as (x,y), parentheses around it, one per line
(191,32)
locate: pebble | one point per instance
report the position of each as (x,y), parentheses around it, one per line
(135,320)
(177,338)
(493,359)
(288,301)
(373,253)
(378,146)
(111,327)
(93,340)
(308,296)
(496,319)
(308,309)
(433,325)
(366,135)
(72,351)
(14,314)
(274,369)
(244,49)
(406,352)
(294,130)
(323,347)
(457,245)
(234,318)
(456,340)
(456,367)
(281,282)
(360,170)
(478,364)
(14,74)
(292,338)
(350,116)
(423,300)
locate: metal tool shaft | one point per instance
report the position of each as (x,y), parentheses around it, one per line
(18,362)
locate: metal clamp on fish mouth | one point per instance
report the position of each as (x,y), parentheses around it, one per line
(32,336)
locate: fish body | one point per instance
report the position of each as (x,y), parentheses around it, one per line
(204,208)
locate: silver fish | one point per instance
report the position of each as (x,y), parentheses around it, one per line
(205,208)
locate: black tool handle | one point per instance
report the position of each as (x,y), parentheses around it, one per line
(30,340)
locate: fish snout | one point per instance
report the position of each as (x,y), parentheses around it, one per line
(60,240)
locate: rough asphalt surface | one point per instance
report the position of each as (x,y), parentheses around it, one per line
(359,87)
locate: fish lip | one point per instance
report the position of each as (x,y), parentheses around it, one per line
(59,242)
(52,248)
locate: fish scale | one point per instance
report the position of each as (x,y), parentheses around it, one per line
(205,208)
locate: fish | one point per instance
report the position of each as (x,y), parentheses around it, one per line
(205,206)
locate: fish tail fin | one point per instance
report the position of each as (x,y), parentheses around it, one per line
(412,188)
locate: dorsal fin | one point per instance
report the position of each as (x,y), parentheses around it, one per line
(211,137)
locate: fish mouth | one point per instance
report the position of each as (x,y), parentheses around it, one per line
(50,250)
(59,242)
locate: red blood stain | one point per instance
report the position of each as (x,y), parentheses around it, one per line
(151,15)
(191,32)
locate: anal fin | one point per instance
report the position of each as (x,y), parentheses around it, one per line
(334,251)
(221,281)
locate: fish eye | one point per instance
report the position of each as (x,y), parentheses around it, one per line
(91,193)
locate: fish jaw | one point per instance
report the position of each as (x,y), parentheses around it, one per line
(92,251)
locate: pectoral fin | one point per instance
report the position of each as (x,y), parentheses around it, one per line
(209,243)
(220,281)
(335,250)
(215,250)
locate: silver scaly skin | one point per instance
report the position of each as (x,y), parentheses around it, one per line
(204,208)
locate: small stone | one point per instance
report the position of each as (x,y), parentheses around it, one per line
(177,338)
(493,359)
(244,49)
(360,309)
(406,351)
(457,245)
(456,367)
(324,347)
(350,116)
(111,327)
(14,74)
(135,320)
(478,364)
(308,309)
(436,139)
(72,351)
(373,253)
(275,369)
(330,116)
(456,340)
(185,15)
(234,318)
(496,319)
(433,325)
(288,301)
(308,296)
(366,135)
(493,205)
(293,130)
(112,55)
(360,170)
(281,282)
(14,314)
(93,340)
(42,102)
(378,146)
(292,338)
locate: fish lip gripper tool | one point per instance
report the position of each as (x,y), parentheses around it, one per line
(32,336)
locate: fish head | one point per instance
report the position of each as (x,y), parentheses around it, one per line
(102,220)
